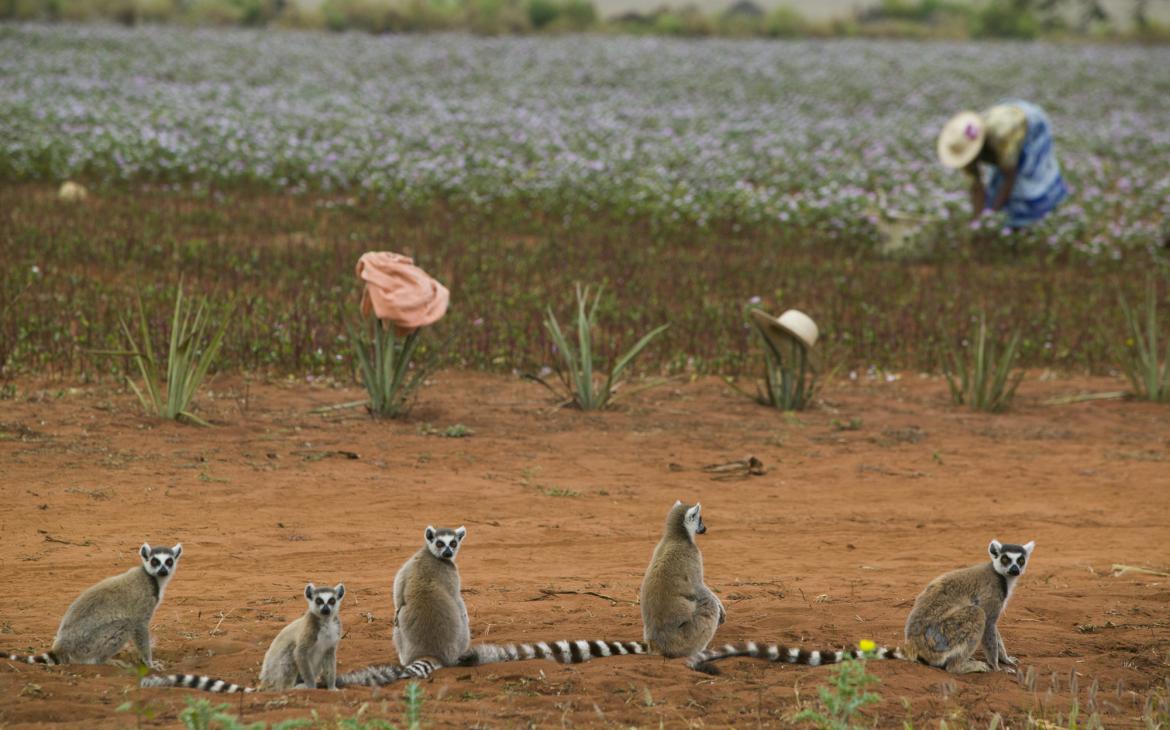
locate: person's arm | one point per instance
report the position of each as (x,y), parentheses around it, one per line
(1005,190)
(978,196)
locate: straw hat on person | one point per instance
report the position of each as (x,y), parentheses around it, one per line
(792,326)
(961,140)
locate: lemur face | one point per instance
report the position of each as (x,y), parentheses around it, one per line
(1010,559)
(693,520)
(444,542)
(324,601)
(160,561)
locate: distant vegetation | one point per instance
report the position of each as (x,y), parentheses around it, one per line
(1020,19)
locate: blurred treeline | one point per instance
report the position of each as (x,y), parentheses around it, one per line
(946,19)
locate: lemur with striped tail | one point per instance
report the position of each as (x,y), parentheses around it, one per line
(679,613)
(303,655)
(107,615)
(955,615)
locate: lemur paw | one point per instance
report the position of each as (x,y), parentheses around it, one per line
(1011,661)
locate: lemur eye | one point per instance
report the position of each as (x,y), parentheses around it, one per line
(154,562)
(331,601)
(1005,560)
(454,544)
(170,562)
(318,601)
(1021,561)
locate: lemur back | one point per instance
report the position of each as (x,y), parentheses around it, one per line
(680,614)
(430,618)
(118,609)
(303,654)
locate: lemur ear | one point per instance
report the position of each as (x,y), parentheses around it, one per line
(994,548)
(677,502)
(461,532)
(1028,546)
(309,588)
(177,550)
(144,551)
(429,534)
(693,512)
(339,589)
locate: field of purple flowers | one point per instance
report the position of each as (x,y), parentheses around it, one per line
(802,133)
(692,176)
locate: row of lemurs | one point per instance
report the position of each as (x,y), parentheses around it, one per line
(956,615)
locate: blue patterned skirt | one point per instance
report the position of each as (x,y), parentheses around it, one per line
(1039,187)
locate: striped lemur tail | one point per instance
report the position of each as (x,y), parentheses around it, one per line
(375,676)
(193,681)
(564,652)
(47,658)
(380,675)
(704,660)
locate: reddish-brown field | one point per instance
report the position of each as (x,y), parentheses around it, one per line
(867,497)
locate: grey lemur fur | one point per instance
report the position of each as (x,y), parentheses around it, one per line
(956,614)
(104,617)
(679,613)
(303,655)
(430,619)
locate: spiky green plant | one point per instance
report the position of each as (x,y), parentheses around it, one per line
(1149,377)
(984,380)
(575,369)
(385,359)
(189,356)
(790,380)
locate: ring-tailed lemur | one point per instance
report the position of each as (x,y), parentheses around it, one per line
(956,614)
(303,654)
(103,618)
(430,618)
(679,612)
(431,629)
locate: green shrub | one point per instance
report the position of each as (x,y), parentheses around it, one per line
(982,380)
(496,17)
(784,21)
(1140,361)
(1005,19)
(371,16)
(578,377)
(578,14)
(385,359)
(542,13)
(189,356)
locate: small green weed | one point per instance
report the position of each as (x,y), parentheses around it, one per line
(577,377)
(559,492)
(842,700)
(984,381)
(202,715)
(853,424)
(189,356)
(1149,377)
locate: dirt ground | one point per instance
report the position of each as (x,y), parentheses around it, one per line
(866,498)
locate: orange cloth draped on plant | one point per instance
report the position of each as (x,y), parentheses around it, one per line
(400,292)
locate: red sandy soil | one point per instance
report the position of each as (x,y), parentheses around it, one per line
(563,509)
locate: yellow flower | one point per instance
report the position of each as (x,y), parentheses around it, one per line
(867,646)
